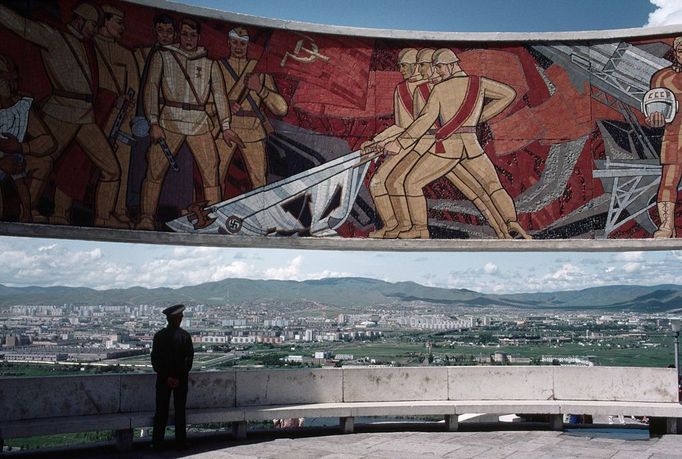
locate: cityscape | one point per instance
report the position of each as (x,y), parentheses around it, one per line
(46,339)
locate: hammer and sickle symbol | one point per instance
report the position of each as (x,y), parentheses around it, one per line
(312,50)
(198,215)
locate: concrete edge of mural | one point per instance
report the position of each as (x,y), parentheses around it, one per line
(407,34)
(313,243)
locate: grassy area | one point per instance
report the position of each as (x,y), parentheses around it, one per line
(53,441)
(404,350)
(11,369)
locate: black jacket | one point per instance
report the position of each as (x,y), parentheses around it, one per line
(172,352)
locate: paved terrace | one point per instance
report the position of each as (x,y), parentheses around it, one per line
(370,442)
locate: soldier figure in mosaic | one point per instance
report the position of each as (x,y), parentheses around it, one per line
(115,105)
(249,94)
(460,176)
(392,208)
(454,107)
(181,82)
(70,61)
(165,28)
(668,82)
(25,142)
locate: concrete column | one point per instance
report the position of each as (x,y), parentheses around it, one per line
(451,422)
(556,422)
(239,430)
(123,439)
(347,424)
(672,425)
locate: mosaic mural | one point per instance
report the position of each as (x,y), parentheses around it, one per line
(120,115)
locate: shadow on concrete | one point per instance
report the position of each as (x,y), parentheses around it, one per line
(210,442)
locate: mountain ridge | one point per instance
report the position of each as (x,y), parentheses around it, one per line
(354,291)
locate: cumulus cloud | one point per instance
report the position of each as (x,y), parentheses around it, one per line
(490,268)
(667,12)
(629,256)
(291,271)
(54,265)
(568,271)
(632,267)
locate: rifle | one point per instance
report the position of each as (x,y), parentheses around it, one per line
(169,155)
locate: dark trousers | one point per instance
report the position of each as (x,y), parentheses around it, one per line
(163,393)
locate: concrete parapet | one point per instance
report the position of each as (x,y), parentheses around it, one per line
(615,383)
(395,384)
(38,406)
(29,398)
(500,383)
(279,387)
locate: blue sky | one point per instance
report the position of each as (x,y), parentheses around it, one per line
(453,15)
(32,261)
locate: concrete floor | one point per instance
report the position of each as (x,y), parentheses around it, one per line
(417,442)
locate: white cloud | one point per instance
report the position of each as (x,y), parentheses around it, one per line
(632,267)
(629,256)
(667,12)
(567,271)
(490,268)
(291,271)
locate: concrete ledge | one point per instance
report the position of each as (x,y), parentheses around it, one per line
(665,410)
(40,406)
(417,408)
(344,411)
(509,406)
(213,415)
(317,410)
(324,243)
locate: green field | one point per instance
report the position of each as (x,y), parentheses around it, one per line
(404,350)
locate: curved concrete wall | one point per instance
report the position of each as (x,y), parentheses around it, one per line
(32,398)
(303,133)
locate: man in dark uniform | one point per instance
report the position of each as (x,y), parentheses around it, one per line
(172,356)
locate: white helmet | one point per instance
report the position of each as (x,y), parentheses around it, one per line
(660,100)
(444,56)
(424,56)
(407,56)
(89,12)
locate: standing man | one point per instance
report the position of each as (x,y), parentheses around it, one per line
(671,151)
(248,94)
(458,103)
(181,82)
(172,357)
(70,61)
(393,208)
